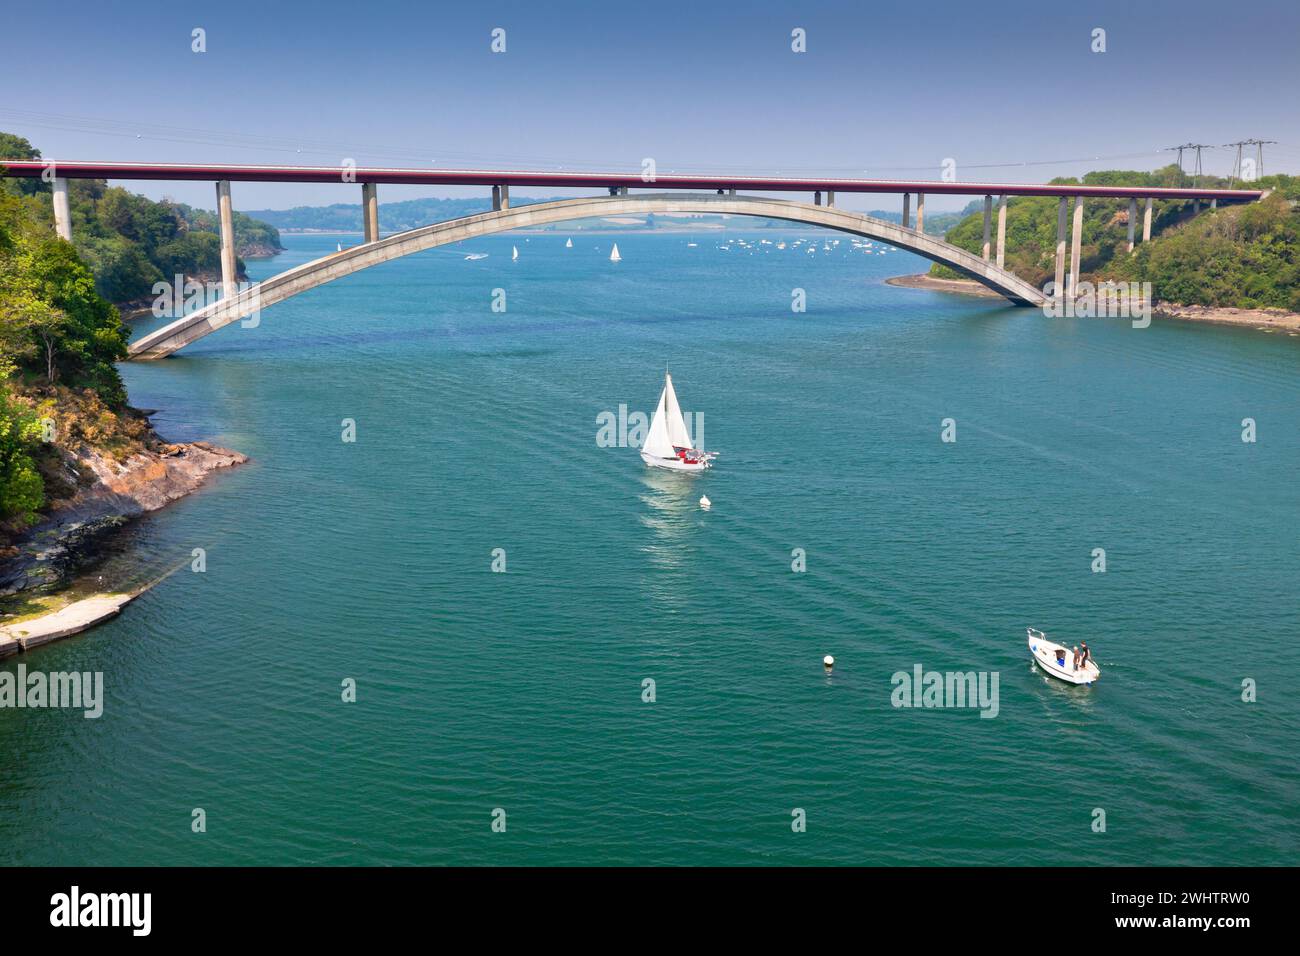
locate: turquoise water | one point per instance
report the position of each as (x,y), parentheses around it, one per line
(477,690)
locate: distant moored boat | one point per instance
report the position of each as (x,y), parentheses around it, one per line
(614,256)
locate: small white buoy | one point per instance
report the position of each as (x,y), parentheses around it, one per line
(828,661)
(705,503)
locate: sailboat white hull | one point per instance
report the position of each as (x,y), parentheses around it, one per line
(674,464)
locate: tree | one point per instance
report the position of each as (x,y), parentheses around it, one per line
(22,492)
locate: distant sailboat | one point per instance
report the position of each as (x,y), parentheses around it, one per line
(614,256)
(514,253)
(568,243)
(668,444)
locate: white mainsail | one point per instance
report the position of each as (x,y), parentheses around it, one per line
(514,253)
(667,428)
(568,243)
(614,256)
(677,433)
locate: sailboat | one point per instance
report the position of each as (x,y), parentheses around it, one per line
(514,253)
(568,243)
(668,444)
(614,256)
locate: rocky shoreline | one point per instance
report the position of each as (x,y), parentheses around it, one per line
(46,558)
(1266,319)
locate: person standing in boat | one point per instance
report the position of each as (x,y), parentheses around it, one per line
(1076,656)
(1084,655)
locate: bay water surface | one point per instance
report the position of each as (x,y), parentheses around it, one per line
(476,430)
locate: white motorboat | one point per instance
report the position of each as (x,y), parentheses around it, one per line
(668,443)
(1059,661)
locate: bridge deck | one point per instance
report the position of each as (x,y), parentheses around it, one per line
(578,179)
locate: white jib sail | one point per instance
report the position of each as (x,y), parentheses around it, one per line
(657,443)
(614,256)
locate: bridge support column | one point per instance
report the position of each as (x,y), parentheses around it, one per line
(226,218)
(62,211)
(505,196)
(1146,222)
(496,198)
(1132,220)
(830,198)
(920,212)
(817,198)
(1002,230)
(988,221)
(370,211)
(907,208)
(1076,242)
(1214,203)
(1060,247)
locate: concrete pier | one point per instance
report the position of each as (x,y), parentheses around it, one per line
(1076,244)
(62,211)
(227,219)
(1002,230)
(1146,222)
(907,209)
(988,221)
(1132,221)
(505,195)
(920,212)
(370,211)
(817,198)
(72,619)
(1060,247)
(830,197)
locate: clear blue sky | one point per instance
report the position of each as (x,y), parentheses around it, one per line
(885,89)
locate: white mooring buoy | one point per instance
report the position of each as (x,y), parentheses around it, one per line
(705,503)
(828,661)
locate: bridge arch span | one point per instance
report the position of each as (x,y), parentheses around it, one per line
(176,335)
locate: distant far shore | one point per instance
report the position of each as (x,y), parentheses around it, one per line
(1266,319)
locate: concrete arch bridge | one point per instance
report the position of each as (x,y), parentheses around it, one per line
(197,324)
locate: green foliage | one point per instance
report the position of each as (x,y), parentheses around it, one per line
(131,242)
(252,237)
(1242,256)
(22,492)
(15,147)
(54,325)
(1245,256)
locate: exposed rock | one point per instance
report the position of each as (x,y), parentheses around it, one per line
(108,494)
